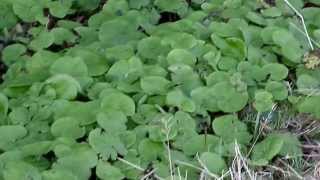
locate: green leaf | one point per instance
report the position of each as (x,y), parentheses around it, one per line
(120,52)
(204,99)
(178,99)
(154,85)
(106,171)
(87,5)
(256,18)
(307,84)
(21,171)
(230,129)
(62,35)
(263,101)
(88,35)
(106,144)
(290,47)
(151,47)
(118,32)
(185,77)
(291,145)
(216,77)
(266,150)
(58,174)
(96,64)
(180,40)
(84,112)
(278,90)
(60,9)
(267,34)
(11,53)
(181,56)
(138,4)
(113,122)
(277,71)
(310,105)
(9,134)
(230,100)
(145,113)
(67,64)
(213,59)
(199,144)
(149,151)
(28,10)
(78,160)
(36,149)
(271,12)
(43,40)
(116,6)
(227,64)
(233,47)
(176,6)
(213,162)
(67,127)
(119,102)
(224,29)
(8,16)
(126,70)
(63,86)
(4,106)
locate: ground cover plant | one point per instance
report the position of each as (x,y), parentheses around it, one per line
(159,89)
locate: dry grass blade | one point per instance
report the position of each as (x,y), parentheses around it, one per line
(240,166)
(291,169)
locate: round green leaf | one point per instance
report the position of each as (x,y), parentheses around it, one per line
(181,56)
(119,102)
(96,64)
(154,85)
(11,53)
(151,48)
(9,134)
(62,35)
(149,151)
(307,84)
(278,90)
(213,162)
(200,143)
(60,8)
(113,122)
(177,98)
(265,150)
(43,40)
(230,129)
(67,127)
(230,100)
(21,171)
(290,47)
(176,6)
(277,71)
(67,64)
(118,32)
(106,171)
(263,101)
(64,86)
